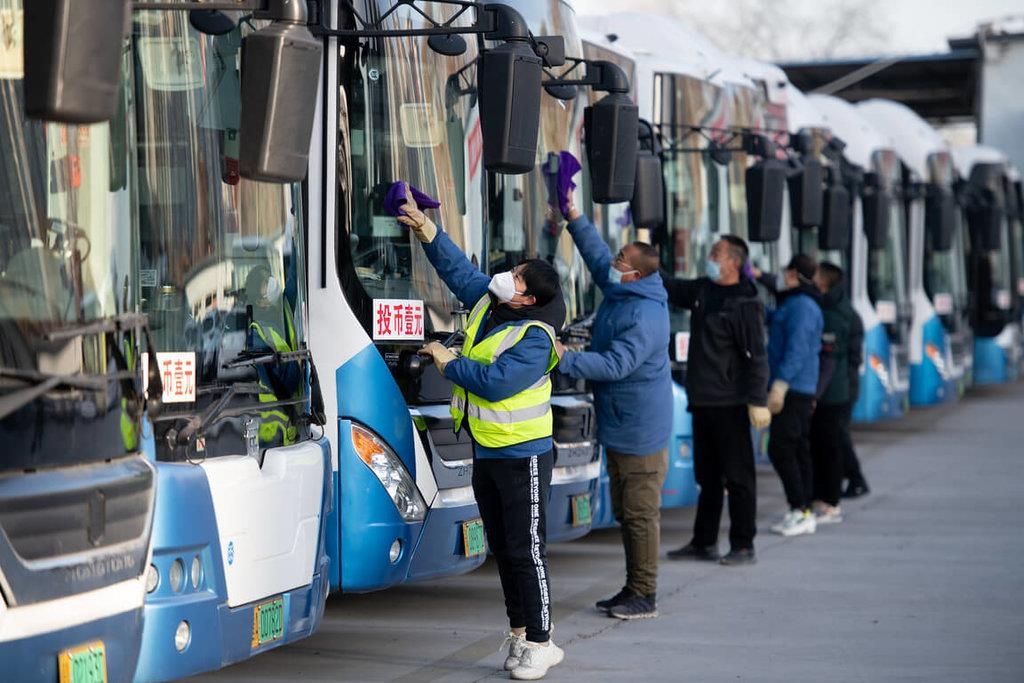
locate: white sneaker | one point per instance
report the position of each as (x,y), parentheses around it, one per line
(536,660)
(796,523)
(516,645)
(828,514)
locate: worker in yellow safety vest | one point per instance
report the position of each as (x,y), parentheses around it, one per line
(272,329)
(502,394)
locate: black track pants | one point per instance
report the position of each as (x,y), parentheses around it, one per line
(789,449)
(512,494)
(723,459)
(827,451)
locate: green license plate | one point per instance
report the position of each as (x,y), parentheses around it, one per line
(473,538)
(581,509)
(267,622)
(83,664)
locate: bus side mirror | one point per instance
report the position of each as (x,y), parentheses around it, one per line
(835,227)
(805,194)
(280,76)
(509,82)
(611,126)
(985,222)
(648,203)
(72,54)
(875,202)
(939,217)
(765,182)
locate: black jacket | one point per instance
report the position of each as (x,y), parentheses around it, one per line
(727,364)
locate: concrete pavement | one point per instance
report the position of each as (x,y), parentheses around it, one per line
(923,581)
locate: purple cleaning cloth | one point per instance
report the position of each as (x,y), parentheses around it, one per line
(748,271)
(395,198)
(561,182)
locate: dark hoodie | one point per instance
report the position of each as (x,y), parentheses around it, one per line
(844,328)
(727,365)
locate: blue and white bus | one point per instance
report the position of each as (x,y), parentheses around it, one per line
(239,562)
(76,493)
(877,259)
(989,195)
(940,337)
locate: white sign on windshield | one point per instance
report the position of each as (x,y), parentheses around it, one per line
(886,311)
(420,127)
(170,64)
(397,320)
(943,303)
(177,372)
(682,346)
(12,51)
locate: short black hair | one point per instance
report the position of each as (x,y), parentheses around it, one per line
(541,279)
(647,258)
(738,248)
(831,273)
(804,265)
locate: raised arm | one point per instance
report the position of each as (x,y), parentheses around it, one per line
(593,249)
(462,277)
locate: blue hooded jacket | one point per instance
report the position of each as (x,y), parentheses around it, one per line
(794,341)
(628,361)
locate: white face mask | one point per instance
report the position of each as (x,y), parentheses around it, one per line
(503,286)
(780,282)
(273,289)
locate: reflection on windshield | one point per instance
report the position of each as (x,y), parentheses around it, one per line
(221,257)
(66,235)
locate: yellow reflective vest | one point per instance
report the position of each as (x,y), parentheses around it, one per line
(276,428)
(525,416)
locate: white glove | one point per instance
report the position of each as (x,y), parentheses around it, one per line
(777,396)
(416,220)
(440,354)
(760,416)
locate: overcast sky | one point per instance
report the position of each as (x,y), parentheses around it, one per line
(891,26)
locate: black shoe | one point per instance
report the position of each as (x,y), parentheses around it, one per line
(739,557)
(635,607)
(695,552)
(617,599)
(855,490)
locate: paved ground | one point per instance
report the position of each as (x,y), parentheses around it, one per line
(922,582)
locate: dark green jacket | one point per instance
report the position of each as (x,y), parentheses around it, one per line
(844,327)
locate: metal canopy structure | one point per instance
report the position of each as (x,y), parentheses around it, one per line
(939,87)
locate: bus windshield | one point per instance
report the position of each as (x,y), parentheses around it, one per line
(887,281)
(516,204)
(66,234)
(221,258)
(413,118)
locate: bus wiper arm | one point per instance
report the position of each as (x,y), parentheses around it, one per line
(41,383)
(265,357)
(116,323)
(196,422)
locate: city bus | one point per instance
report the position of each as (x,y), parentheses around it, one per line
(76,493)
(877,258)
(994,255)
(940,337)
(239,563)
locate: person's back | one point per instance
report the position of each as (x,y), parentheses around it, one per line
(839,320)
(794,340)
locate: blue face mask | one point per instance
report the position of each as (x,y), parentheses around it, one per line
(713,270)
(615,275)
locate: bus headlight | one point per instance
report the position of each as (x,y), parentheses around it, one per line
(196,571)
(152,578)
(388,468)
(177,575)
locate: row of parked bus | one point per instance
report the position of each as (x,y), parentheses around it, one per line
(213,411)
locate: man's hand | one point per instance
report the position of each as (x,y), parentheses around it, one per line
(440,354)
(777,396)
(760,417)
(559,349)
(416,220)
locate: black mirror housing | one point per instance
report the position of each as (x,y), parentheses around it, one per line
(765,182)
(509,82)
(648,202)
(805,194)
(73,58)
(985,223)
(611,126)
(834,233)
(939,216)
(280,77)
(875,204)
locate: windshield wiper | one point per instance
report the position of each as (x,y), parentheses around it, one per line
(265,357)
(39,383)
(115,323)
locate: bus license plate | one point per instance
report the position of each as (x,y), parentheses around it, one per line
(581,509)
(473,538)
(267,622)
(83,664)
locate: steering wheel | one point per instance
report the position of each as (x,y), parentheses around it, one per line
(71,236)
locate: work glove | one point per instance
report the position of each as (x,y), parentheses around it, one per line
(409,215)
(777,396)
(439,353)
(760,416)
